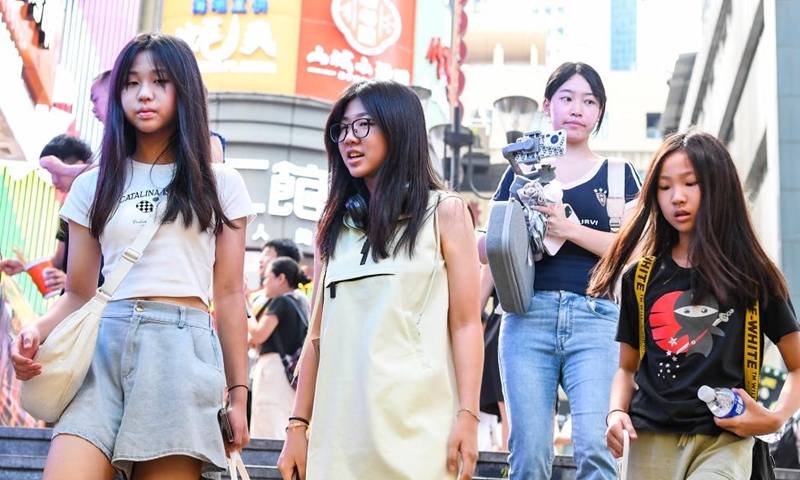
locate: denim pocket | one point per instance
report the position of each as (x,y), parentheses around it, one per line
(206,347)
(602,308)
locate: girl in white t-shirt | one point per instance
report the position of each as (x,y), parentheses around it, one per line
(149,403)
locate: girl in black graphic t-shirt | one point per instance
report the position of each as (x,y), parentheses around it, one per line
(280,325)
(709,269)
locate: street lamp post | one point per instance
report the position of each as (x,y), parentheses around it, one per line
(515,114)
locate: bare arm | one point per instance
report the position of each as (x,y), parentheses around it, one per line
(232,321)
(595,241)
(622,388)
(461,258)
(263,328)
(482,249)
(58,257)
(757,420)
(84,268)
(487,286)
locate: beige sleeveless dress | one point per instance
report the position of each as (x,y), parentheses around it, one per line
(386,395)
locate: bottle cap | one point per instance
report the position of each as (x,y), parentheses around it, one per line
(706,394)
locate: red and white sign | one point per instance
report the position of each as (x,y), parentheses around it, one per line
(346,41)
(370,26)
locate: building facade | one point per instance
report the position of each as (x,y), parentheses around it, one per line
(623,34)
(744,88)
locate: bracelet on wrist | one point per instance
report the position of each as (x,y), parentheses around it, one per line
(470,412)
(612,411)
(299,419)
(293,425)
(238,386)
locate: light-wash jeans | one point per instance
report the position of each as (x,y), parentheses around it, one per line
(568,339)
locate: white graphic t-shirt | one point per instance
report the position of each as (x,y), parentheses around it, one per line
(179,261)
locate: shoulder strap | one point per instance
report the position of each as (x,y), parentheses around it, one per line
(128,259)
(438,237)
(752,351)
(235,464)
(316,314)
(643,269)
(615,203)
(296,304)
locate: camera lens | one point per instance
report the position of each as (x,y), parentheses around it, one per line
(554,139)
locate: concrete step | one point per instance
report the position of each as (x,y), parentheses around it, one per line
(23,452)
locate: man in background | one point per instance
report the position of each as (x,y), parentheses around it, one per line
(70,151)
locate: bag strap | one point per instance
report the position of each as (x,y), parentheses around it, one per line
(129,257)
(316,313)
(235,463)
(615,203)
(643,269)
(752,351)
(438,236)
(300,313)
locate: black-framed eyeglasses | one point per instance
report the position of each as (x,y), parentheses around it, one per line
(360,127)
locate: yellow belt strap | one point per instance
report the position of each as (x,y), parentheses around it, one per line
(752,351)
(643,270)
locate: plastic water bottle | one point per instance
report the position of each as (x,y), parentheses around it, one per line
(723,402)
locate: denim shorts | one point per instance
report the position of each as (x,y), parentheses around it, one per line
(154,387)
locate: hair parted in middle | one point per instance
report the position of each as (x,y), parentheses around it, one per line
(567,70)
(403,181)
(193,189)
(726,257)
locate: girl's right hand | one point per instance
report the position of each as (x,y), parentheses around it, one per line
(294,454)
(617,422)
(23,348)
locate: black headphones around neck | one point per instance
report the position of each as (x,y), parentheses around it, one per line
(358,209)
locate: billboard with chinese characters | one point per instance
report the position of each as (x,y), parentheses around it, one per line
(343,41)
(240,45)
(313,48)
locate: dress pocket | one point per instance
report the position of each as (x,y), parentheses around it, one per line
(360,276)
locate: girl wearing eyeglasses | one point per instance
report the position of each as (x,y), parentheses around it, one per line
(391,379)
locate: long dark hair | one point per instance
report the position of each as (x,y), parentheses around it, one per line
(287,267)
(193,189)
(567,70)
(726,256)
(402,183)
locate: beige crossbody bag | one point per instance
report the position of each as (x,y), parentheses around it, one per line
(67,352)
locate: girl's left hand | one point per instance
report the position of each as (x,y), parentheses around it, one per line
(464,443)
(756,420)
(557,223)
(237,415)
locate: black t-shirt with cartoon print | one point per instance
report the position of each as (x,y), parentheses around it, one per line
(687,344)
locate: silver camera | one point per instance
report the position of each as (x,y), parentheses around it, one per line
(532,147)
